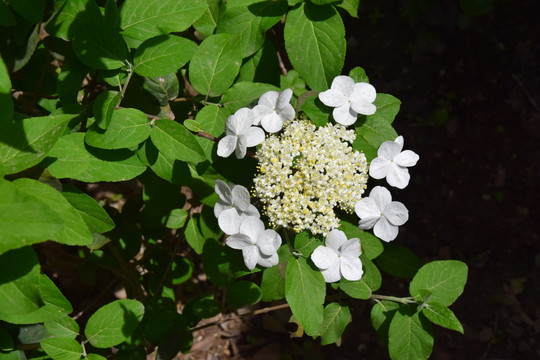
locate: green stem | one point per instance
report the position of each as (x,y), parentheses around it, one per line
(405,300)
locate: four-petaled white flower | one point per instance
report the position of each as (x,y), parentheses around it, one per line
(259,246)
(349,99)
(392,163)
(339,258)
(232,207)
(273,110)
(380,213)
(239,134)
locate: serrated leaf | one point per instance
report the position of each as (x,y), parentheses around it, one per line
(24,143)
(74,231)
(363,288)
(315,42)
(244,94)
(261,67)
(143,20)
(351,6)
(194,236)
(249,20)
(62,348)
(358,74)
(316,111)
(336,318)
(100,46)
(30,334)
(399,261)
(71,15)
(174,140)
(305,291)
(273,279)
(164,166)
(305,243)
(241,293)
(63,327)
(127,128)
(104,107)
(163,54)
(177,218)
(222,264)
(209,19)
(212,121)
(70,80)
(6,102)
(442,316)
(69,158)
(381,316)
(95,217)
(113,323)
(371,245)
(444,279)
(161,89)
(410,336)
(216,63)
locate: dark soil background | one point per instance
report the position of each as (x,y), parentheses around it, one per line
(470,91)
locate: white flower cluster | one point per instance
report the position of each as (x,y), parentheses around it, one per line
(239,219)
(241,131)
(304,173)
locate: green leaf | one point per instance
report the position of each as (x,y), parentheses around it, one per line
(336,318)
(244,94)
(69,158)
(381,316)
(305,243)
(62,348)
(160,318)
(161,89)
(70,80)
(128,127)
(24,218)
(273,279)
(104,107)
(113,323)
(316,111)
(216,63)
(63,327)
(399,261)
(410,336)
(444,279)
(166,167)
(212,120)
(194,236)
(24,143)
(6,17)
(27,297)
(315,42)
(305,291)
(163,54)
(74,231)
(181,270)
(249,20)
(359,75)
(174,140)
(209,19)
(72,14)
(322,2)
(222,264)
(261,67)
(371,245)
(201,307)
(100,46)
(30,334)
(177,218)
(442,316)
(363,288)
(31,10)
(241,293)
(351,6)
(95,357)
(6,103)
(143,20)
(95,217)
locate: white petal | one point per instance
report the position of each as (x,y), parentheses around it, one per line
(238,241)
(259,111)
(363,108)
(266,244)
(332,98)
(351,269)
(363,93)
(407,158)
(276,239)
(396,213)
(400,140)
(381,196)
(388,150)
(344,115)
(287,113)
(335,239)
(224,191)
(252,211)
(367,208)
(229,221)
(241,148)
(284,98)
(379,167)
(245,118)
(272,122)
(220,206)
(240,198)
(398,176)
(384,230)
(332,274)
(269,99)
(324,257)
(254,136)
(252,227)
(351,249)
(343,84)
(368,222)
(251,256)
(268,261)
(227,145)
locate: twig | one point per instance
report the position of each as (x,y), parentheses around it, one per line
(406,300)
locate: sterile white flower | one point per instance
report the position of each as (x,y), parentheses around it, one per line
(273,110)
(392,163)
(239,134)
(232,207)
(339,258)
(349,99)
(259,246)
(380,213)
